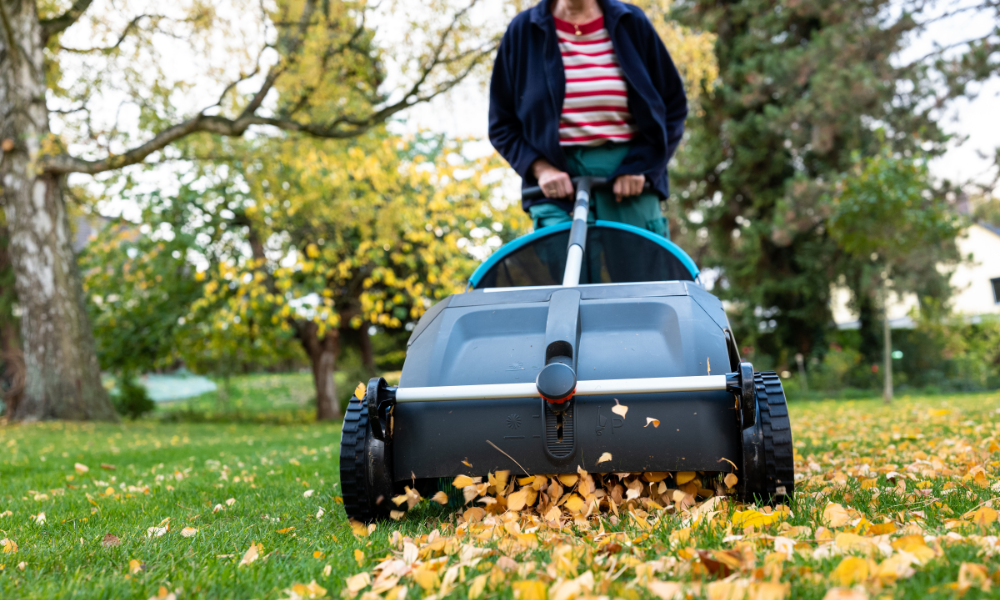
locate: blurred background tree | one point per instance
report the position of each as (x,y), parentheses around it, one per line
(882,213)
(321,58)
(317,242)
(802,88)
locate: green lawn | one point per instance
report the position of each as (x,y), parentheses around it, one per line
(273,481)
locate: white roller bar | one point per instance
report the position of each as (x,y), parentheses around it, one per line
(701,383)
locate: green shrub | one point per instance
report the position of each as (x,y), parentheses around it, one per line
(130,397)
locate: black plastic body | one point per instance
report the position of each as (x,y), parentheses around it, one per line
(624,331)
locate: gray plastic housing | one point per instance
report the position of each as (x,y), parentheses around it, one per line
(658,329)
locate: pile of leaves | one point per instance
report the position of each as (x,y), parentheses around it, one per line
(918,518)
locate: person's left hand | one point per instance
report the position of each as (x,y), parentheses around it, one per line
(627,186)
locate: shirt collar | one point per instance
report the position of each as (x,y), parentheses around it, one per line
(541,13)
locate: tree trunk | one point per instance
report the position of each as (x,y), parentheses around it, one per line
(322,354)
(886,346)
(367,352)
(63,378)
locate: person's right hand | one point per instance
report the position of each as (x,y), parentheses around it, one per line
(554,183)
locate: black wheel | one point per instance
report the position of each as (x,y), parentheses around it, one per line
(366,479)
(768,459)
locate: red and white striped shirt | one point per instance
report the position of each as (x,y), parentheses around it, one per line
(595,110)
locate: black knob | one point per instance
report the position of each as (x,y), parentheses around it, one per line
(556,382)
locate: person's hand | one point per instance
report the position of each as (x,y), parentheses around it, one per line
(554,183)
(628,185)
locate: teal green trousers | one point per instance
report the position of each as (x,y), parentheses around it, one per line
(642,211)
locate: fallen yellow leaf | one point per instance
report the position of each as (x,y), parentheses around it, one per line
(574,504)
(359,557)
(286,530)
(851,570)
(462,481)
(517,500)
(252,554)
(731,480)
(426,579)
(9,546)
(753,518)
(684,477)
(983,516)
(359,392)
(834,515)
(654,422)
(440,498)
(356,583)
(973,575)
(619,409)
(189,531)
(606,457)
(529,590)
(134,566)
(301,591)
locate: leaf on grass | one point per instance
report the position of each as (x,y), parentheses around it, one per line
(665,590)
(81,468)
(358,582)
(286,530)
(358,528)
(300,591)
(655,423)
(110,540)
(39,519)
(606,457)
(9,546)
(730,480)
(397,515)
(973,575)
(252,554)
(882,528)
(748,518)
(851,570)
(915,545)
(983,516)
(320,513)
(189,532)
(359,557)
(327,570)
(574,503)
(308,493)
(477,587)
(134,566)
(359,392)
(834,515)
(619,409)
(529,590)
(230,501)
(440,497)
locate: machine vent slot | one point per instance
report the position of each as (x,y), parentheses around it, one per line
(560,444)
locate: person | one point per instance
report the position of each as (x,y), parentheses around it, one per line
(587,88)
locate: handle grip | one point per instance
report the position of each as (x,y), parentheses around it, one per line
(535,192)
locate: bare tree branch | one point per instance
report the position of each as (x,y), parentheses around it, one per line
(344,126)
(121,38)
(55,25)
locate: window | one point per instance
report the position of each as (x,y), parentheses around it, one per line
(996,289)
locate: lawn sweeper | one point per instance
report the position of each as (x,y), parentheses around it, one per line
(528,371)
